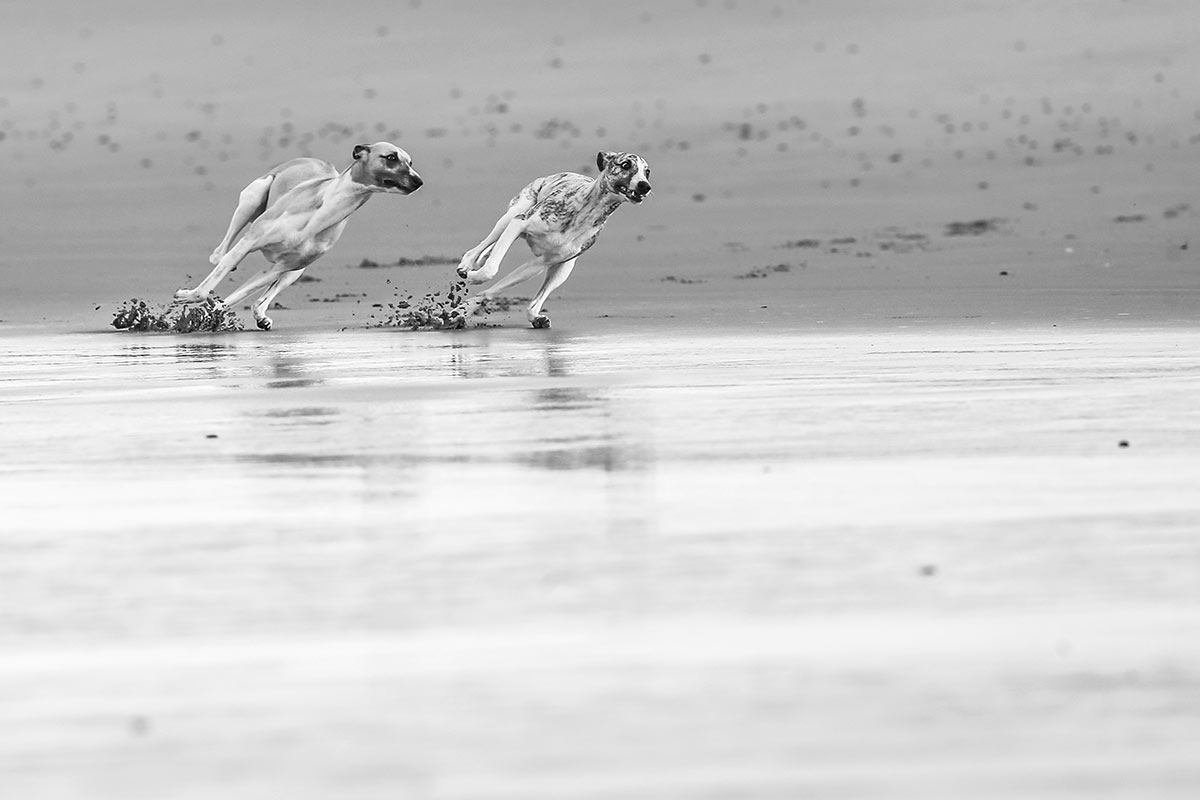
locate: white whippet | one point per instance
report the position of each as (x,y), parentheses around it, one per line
(294,214)
(559,216)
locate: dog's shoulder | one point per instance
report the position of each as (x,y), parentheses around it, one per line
(559,183)
(303,169)
(547,187)
(289,175)
(304,197)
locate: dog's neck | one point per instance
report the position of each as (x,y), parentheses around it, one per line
(357,172)
(602,201)
(342,196)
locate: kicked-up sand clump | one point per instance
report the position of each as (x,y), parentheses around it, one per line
(440,310)
(436,311)
(207,317)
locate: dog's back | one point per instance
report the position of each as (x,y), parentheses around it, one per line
(561,186)
(292,173)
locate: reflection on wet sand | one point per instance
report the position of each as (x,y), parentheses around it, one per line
(187,351)
(312,415)
(550,358)
(607,457)
(609,440)
(289,369)
(566,400)
(558,426)
(783,558)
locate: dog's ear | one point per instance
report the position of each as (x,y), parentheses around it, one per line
(602,159)
(360,150)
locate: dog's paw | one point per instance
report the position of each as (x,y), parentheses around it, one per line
(264,323)
(191,296)
(462,271)
(540,321)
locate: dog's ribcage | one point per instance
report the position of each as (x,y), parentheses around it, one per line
(563,220)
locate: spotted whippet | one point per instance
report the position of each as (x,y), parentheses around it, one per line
(294,214)
(559,216)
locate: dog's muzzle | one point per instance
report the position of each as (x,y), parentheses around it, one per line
(405,184)
(635,193)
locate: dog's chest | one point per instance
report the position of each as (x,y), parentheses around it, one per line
(326,239)
(557,227)
(550,238)
(307,246)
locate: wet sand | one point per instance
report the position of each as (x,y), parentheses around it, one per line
(667,563)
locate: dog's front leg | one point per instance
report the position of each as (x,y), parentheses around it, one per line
(556,276)
(259,309)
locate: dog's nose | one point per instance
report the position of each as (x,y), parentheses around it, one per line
(642,187)
(414,182)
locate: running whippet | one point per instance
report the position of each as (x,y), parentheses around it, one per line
(559,216)
(294,214)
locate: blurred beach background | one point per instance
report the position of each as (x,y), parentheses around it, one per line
(861,460)
(128,128)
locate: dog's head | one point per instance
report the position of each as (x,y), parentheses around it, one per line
(626,174)
(383,167)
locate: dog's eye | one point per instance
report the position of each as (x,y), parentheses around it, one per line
(392,157)
(626,165)
(647,172)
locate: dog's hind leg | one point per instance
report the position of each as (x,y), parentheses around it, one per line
(482,257)
(474,258)
(530,269)
(496,254)
(556,276)
(228,263)
(252,202)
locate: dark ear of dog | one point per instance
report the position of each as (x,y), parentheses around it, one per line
(602,159)
(360,150)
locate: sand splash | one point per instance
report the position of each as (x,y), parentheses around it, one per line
(439,310)
(206,317)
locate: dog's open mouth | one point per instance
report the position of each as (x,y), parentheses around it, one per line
(631,195)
